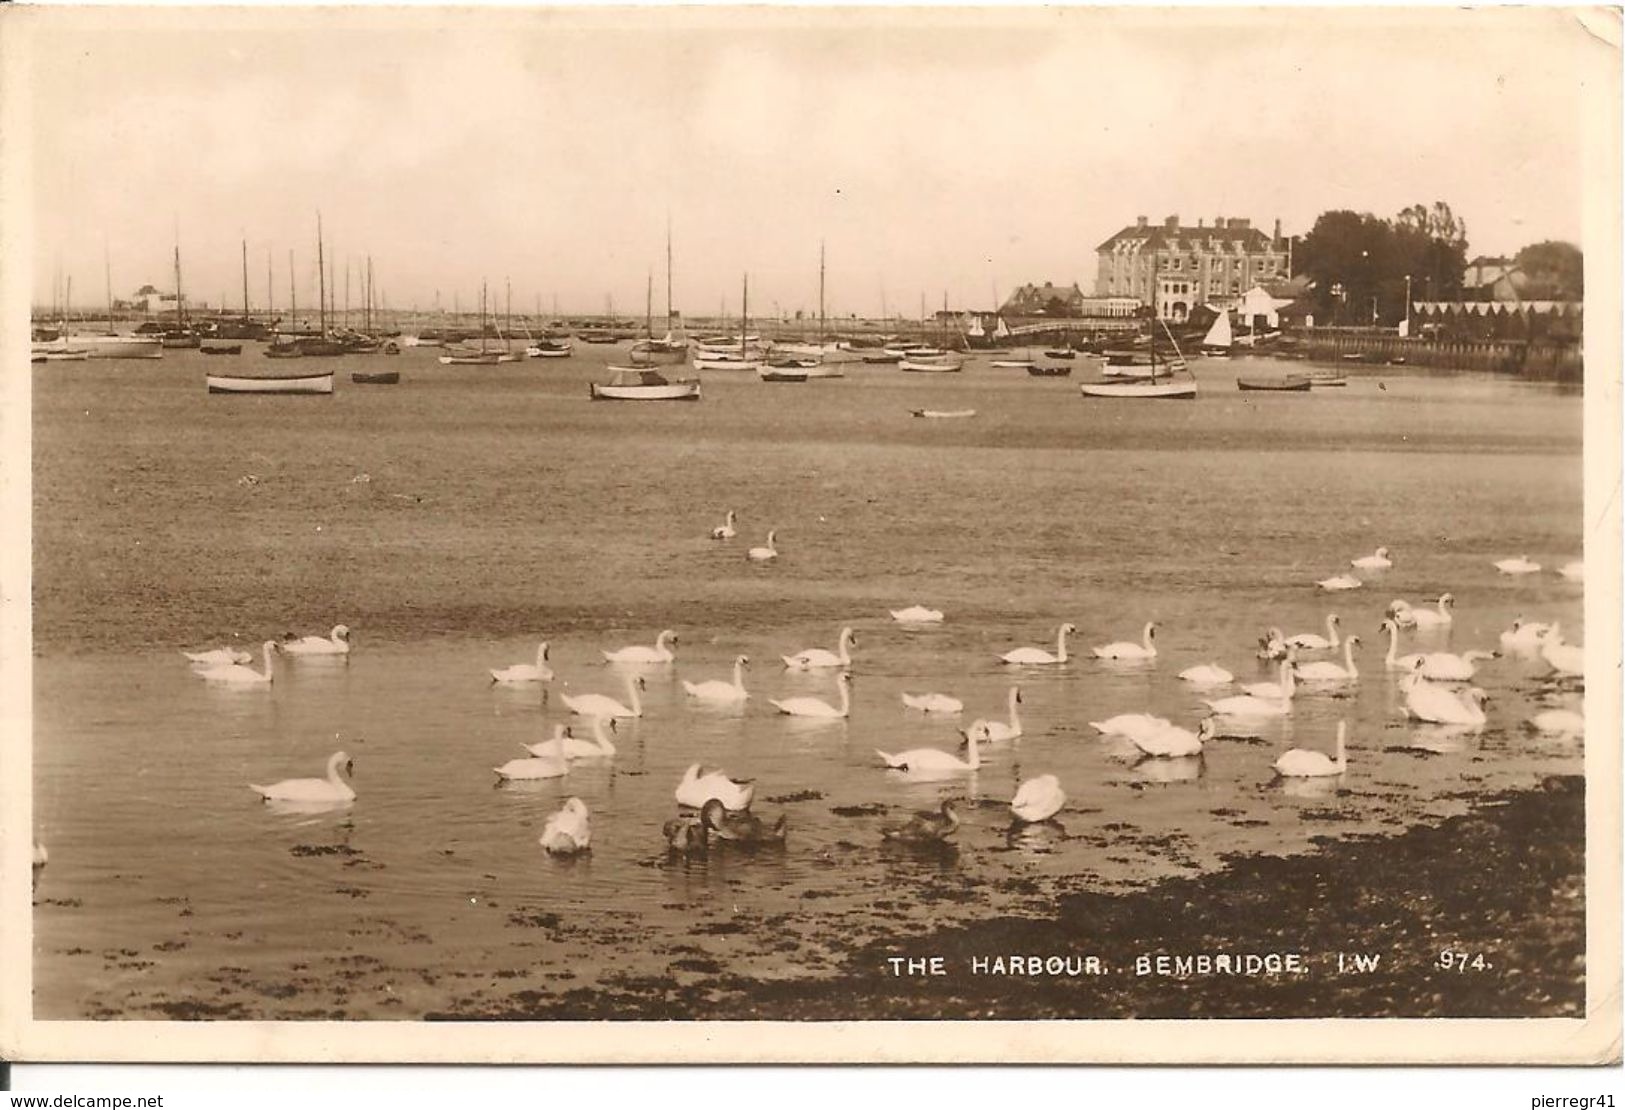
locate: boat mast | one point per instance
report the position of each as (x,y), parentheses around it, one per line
(668,273)
(270,287)
(293,294)
(180,301)
(107,264)
(321,276)
(744,316)
(245,279)
(649,308)
(369,295)
(820,292)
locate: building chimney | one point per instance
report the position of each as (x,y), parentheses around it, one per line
(1140,221)
(1241,225)
(1171,223)
(1218,222)
(1199,224)
(1277,229)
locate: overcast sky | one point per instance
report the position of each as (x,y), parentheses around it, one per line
(934,152)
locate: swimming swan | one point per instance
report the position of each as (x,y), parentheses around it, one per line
(933,761)
(700,784)
(1339,582)
(1310,641)
(916,614)
(1126,650)
(219,656)
(1378,560)
(538,671)
(1038,799)
(1247,705)
(1574,571)
(1038,657)
(1130,725)
(1435,704)
(568,830)
(1207,674)
(815,707)
(820,657)
(985,730)
(1430,618)
(336,643)
(331,789)
(1272,645)
(1525,637)
(1558,722)
(1324,671)
(566,745)
(1520,565)
(924,828)
(933,703)
(1173,742)
(718,692)
(1401,613)
(638,653)
(763,554)
(1282,688)
(240,674)
(598,705)
(726,531)
(552,767)
(1565,659)
(1302,763)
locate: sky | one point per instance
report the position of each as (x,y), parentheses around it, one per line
(934,153)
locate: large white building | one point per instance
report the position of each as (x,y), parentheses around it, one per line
(1189,265)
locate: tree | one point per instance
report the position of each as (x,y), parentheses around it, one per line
(1555,271)
(1360,262)
(1346,253)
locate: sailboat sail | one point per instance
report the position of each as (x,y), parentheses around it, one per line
(1218,336)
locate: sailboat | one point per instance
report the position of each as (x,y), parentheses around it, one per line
(466,356)
(109,345)
(1149,387)
(931,360)
(280,379)
(1217,342)
(747,357)
(181,335)
(820,359)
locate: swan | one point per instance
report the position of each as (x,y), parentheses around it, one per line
(1378,560)
(598,705)
(1393,660)
(820,657)
(40,857)
(924,828)
(1125,649)
(718,692)
(1430,618)
(1131,725)
(1173,742)
(815,707)
(1520,565)
(1401,613)
(1324,671)
(336,643)
(639,653)
(1281,689)
(1524,636)
(744,829)
(1207,674)
(700,784)
(997,730)
(1564,722)
(330,789)
(1574,572)
(1302,763)
(566,745)
(549,767)
(934,761)
(1310,641)
(1339,582)
(241,674)
(763,554)
(1247,705)
(1445,666)
(567,831)
(1272,645)
(219,656)
(1565,659)
(916,614)
(1037,657)
(726,530)
(1435,704)
(538,671)
(933,703)
(1038,799)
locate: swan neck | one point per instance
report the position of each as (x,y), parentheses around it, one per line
(1060,645)
(739,675)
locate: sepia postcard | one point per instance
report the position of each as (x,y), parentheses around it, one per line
(810,535)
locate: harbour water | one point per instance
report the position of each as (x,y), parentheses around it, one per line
(459,518)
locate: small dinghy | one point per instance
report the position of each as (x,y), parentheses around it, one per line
(1288,383)
(943,414)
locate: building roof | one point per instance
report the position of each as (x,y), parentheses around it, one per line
(1172,236)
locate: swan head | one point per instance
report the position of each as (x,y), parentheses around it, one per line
(1382,553)
(712,813)
(1068,628)
(1445,600)
(665,636)
(1204,731)
(1353,642)
(1388,625)
(640,683)
(742,661)
(341,759)
(848,636)
(341,633)
(771,536)
(575,807)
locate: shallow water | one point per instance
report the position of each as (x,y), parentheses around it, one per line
(500,507)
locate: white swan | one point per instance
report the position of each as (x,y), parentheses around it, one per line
(1131,725)
(1426,702)
(1038,799)
(1325,671)
(336,643)
(566,745)
(1520,565)
(567,831)
(1560,722)
(1207,674)
(1401,613)
(552,767)
(1393,660)
(1302,763)
(1246,705)
(1282,688)
(1311,641)
(1038,657)
(331,789)
(1378,560)
(986,730)
(933,761)
(538,671)
(1565,659)
(815,707)
(219,656)
(718,692)
(1127,650)
(40,858)
(1173,742)
(1435,618)
(1445,666)
(821,657)
(241,674)
(700,784)
(766,552)
(933,703)
(1339,582)
(598,705)
(916,614)
(1524,637)
(726,530)
(1272,645)
(1574,571)
(640,653)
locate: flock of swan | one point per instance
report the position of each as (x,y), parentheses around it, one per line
(714,807)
